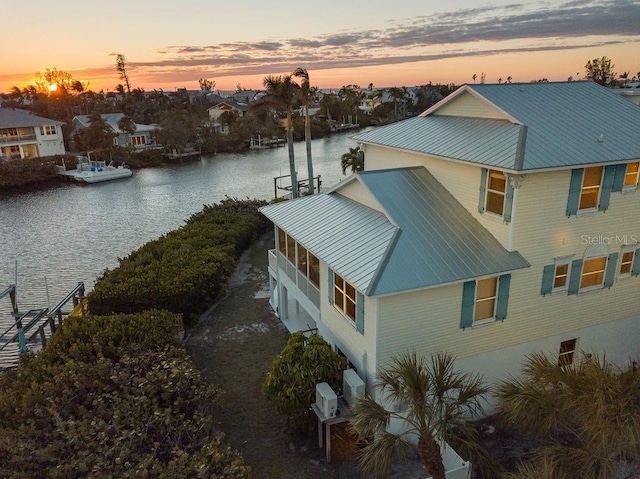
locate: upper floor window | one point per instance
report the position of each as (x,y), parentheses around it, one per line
(561,275)
(631,175)
(138,140)
(626,262)
(496,191)
(593,270)
(485,300)
(344,296)
(306,262)
(8,132)
(486,295)
(591,184)
(309,265)
(48,130)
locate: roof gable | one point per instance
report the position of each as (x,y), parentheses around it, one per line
(552,125)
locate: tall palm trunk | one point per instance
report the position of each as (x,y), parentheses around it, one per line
(292,161)
(429,452)
(307,139)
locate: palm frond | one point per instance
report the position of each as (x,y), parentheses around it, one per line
(377,457)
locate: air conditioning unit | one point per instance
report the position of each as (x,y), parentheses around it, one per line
(326,400)
(352,386)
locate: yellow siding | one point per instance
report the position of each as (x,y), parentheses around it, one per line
(467,105)
(357,192)
(542,231)
(461,180)
(350,341)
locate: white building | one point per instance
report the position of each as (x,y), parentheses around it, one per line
(25,135)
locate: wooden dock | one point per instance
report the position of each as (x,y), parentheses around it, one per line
(31,330)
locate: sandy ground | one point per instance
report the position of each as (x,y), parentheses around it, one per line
(233,345)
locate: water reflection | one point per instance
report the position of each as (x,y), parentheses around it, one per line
(72,233)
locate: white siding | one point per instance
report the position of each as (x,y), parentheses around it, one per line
(467,105)
(462,181)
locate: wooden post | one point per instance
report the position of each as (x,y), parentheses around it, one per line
(43,337)
(52,324)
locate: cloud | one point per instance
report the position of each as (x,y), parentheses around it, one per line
(512,28)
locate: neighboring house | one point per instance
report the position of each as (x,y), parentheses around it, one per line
(25,135)
(230,106)
(631,91)
(501,222)
(141,138)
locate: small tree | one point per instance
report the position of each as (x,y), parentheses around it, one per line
(438,402)
(291,381)
(600,70)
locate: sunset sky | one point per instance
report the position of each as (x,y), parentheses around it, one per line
(171,44)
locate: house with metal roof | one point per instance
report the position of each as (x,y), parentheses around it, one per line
(502,221)
(142,136)
(25,135)
(229,106)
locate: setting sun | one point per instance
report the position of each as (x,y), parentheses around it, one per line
(53,87)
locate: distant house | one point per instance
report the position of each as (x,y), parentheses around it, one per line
(226,106)
(631,91)
(141,138)
(503,221)
(25,135)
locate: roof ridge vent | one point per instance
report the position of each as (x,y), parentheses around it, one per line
(600,139)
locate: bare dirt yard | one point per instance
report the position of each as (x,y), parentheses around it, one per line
(233,346)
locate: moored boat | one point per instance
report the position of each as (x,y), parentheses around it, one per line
(95,171)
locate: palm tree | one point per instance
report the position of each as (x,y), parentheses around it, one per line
(586,416)
(305,93)
(354,159)
(281,94)
(438,401)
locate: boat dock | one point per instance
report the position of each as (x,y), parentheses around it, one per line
(263,144)
(30,330)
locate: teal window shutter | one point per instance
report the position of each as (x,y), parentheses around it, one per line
(610,272)
(607,185)
(468,303)
(360,312)
(575,187)
(503,296)
(548,275)
(483,189)
(330,286)
(576,276)
(508,202)
(635,267)
(618,178)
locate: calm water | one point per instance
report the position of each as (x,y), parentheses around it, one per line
(73,233)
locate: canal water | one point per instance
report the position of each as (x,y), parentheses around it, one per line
(55,238)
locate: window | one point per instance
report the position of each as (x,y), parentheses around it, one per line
(593,272)
(486,295)
(631,176)
(560,277)
(48,130)
(309,265)
(567,352)
(306,263)
(138,140)
(8,132)
(626,263)
(344,297)
(590,193)
(496,190)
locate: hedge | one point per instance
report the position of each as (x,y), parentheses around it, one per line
(112,397)
(186,270)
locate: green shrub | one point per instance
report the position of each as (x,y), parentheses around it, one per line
(294,373)
(111,404)
(186,270)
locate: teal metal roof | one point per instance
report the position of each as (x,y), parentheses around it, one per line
(440,241)
(425,238)
(553,125)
